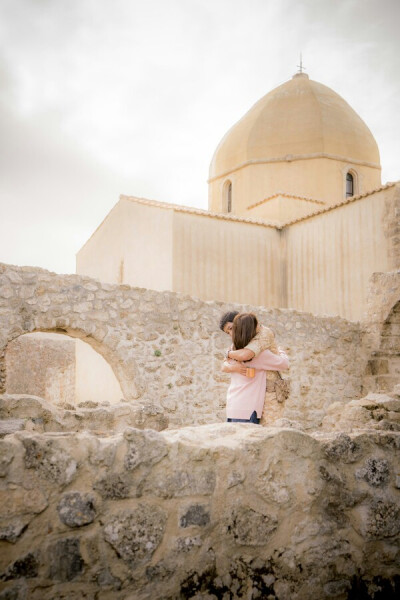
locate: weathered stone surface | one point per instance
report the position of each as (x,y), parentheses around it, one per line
(106,579)
(76,509)
(19,501)
(6,456)
(198,481)
(336,588)
(113,486)
(251,528)
(8,426)
(66,562)
(375,472)
(136,534)
(49,461)
(42,416)
(15,592)
(12,530)
(222,510)
(145,447)
(196,514)
(383,519)
(372,412)
(342,448)
(27,566)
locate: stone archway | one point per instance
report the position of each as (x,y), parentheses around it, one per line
(62,370)
(34,300)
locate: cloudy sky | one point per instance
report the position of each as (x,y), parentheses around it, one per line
(103,97)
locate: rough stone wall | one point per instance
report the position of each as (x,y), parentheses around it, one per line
(42,366)
(221,511)
(391,223)
(166,349)
(384,367)
(383,332)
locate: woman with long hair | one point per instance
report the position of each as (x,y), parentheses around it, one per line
(246,392)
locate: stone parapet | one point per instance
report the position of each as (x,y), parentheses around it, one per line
(219,511)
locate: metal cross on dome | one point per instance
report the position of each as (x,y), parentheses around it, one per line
(300,66)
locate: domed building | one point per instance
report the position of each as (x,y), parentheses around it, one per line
(299,148)
(297,215)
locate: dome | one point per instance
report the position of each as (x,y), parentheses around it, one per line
(301,118)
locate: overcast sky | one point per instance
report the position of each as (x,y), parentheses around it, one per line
(103,97)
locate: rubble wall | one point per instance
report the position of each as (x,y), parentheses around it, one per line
(166,349)
(218,511)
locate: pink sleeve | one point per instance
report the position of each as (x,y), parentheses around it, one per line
(268,361)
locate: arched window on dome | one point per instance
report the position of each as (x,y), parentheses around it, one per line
(350,184)
(227,197)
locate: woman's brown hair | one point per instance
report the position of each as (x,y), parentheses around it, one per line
(244,329)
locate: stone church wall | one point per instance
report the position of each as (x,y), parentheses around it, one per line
(320,264)
(332,256)
(218,259)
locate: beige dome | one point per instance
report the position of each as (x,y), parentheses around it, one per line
(298,119)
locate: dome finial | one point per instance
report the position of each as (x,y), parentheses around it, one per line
(300,72)
(301,64)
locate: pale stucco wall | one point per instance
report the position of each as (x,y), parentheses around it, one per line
(133,245)
(321,264)
(223,260)
(94,378)
(331,257)
(319,179)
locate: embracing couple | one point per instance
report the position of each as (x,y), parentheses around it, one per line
(254,362)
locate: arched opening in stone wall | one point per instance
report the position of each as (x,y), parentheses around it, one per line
(384,367)
(61,369)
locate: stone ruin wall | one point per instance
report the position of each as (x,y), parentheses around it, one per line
(215,512)
(42,365)
(95,506)
(166,349)
(382,325)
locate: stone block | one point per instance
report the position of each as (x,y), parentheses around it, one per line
(6,457)
(51,463)
(144,447)
(76,509)
(195,515)
(375,472)
(342,448)
(251,528)
(65,560)
(11,531)
(383,519)
(136,534)
(113,486)
(25,567)
(8,426)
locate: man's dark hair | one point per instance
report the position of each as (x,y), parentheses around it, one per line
(227,318)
